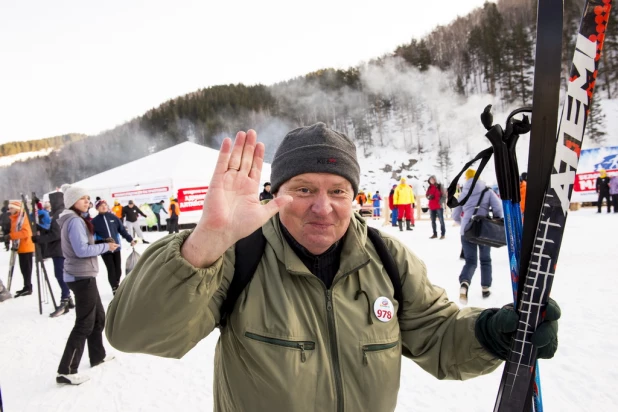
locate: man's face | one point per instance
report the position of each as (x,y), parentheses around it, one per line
(130,205)
(321,210)
(103,208)
(267,188)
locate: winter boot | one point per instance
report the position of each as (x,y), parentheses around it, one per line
(71,303)
(72,379)
(442,237)
(145,242)
(27,290)
(61,309)
(106,359)
(408,225)
(486,292)
(463,293)
(434,236)
(400,225)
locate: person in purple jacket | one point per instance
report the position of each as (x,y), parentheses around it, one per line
(613,191)
(80,270)
(462,215)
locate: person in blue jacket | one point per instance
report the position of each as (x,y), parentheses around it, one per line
(108,228)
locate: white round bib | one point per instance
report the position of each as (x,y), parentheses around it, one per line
(384,309)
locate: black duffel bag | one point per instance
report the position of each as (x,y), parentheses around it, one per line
(483,230)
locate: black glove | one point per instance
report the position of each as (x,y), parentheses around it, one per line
(495,327)
(35,239)
(7,238)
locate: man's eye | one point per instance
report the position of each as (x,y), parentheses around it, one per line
(304,190)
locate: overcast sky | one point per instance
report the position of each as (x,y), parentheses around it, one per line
(81,66)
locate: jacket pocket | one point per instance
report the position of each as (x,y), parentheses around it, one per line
(377,347)
(380,369)
(300,345)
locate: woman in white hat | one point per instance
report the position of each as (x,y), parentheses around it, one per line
(80,270)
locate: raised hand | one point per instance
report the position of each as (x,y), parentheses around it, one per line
(232,209)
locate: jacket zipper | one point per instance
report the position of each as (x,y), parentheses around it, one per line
(330,314)
(334,350)
(376,348)
(301,345)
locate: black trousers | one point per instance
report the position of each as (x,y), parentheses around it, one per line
(172,225)
(25,265)
(158,222)
(603,195)
(114,268)
(615,202)
(89,324)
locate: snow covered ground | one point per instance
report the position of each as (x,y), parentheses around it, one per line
(581,377)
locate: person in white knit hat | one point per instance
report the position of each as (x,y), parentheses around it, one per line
(80,270)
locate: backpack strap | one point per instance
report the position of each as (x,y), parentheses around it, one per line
(249,251)
(389,264)
(478,204)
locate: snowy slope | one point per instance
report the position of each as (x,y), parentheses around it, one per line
(9,160)
(581,377)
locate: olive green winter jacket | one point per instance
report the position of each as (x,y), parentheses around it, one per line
(290,344)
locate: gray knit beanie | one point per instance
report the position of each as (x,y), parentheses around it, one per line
(72,194)
(315,149)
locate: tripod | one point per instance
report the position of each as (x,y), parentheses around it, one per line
(39,265)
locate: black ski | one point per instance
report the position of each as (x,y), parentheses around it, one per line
(552,166)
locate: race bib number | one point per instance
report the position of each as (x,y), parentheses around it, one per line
(383,309)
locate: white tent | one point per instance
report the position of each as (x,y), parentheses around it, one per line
(182,171)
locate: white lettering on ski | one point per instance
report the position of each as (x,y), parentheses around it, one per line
(572,124)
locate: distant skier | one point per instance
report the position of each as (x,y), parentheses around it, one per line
(130,213)
(156,209)
(376,205)
(5,222)
(174,212)
(50,240)
(523,186)
(436,196)
(613,191)
(266,195)
(117,209)
(21,232)
(392,207)
(603,190)
(404,199)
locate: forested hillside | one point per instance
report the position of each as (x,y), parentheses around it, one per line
(409,100)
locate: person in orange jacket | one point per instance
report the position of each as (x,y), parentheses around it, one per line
(174,212)
(361,198)
(523,183)
(117,209)
(21,235)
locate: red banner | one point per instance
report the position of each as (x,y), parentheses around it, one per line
(587,182)
(139,192)
(192,198)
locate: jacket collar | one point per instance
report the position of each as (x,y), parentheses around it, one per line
(353,253)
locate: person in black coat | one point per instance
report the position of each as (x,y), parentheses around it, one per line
(108,228)
(5,222)
(49,242)
(266,193)
(130,215)
(603,190)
